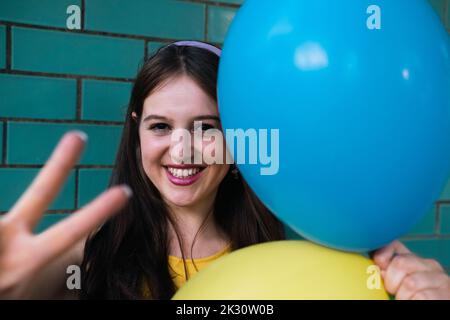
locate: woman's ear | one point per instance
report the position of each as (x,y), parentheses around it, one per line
(134,116)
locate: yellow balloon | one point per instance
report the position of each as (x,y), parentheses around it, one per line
(287,270)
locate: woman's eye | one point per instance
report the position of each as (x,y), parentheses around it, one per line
(159,127)
(204,127)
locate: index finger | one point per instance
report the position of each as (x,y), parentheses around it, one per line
(80,224)
(45,187)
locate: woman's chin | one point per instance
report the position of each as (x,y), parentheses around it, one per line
(180,200)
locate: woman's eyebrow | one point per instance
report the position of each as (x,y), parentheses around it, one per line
(154,116)
(207,117)
(202,117)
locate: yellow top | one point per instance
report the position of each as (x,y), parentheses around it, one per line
(177,270)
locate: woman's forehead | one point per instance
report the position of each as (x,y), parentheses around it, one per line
(180,95)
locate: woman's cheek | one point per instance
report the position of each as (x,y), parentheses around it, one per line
(153,152)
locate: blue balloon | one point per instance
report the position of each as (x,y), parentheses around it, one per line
(360,93)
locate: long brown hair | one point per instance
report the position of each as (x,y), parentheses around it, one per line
(132,248)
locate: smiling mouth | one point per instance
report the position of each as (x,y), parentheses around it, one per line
(183,175)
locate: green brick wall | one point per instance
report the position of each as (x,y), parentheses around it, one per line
(430,238)
(53,79)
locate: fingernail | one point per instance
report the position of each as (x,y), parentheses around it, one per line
(83,136)
(127,190)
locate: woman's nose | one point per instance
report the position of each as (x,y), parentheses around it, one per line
(185,148)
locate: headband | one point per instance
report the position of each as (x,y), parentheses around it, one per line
(199,44)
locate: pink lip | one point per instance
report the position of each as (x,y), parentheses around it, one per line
(183,181)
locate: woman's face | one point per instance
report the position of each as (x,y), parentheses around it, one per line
(174,106)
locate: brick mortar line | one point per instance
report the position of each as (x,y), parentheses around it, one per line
(62,121)
(83,11)
(87,32)
(4,143)
(205,24)
(146,50)
(75,203)
(55,211)
(40,166)
(78,100)
(215,3)
(64,75)
(8,48)
(437,219)
(426,237)
(447,14)
(60,211)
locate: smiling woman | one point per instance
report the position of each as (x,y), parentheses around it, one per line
(182,215)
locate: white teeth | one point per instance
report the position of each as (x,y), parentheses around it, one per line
(183,173)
